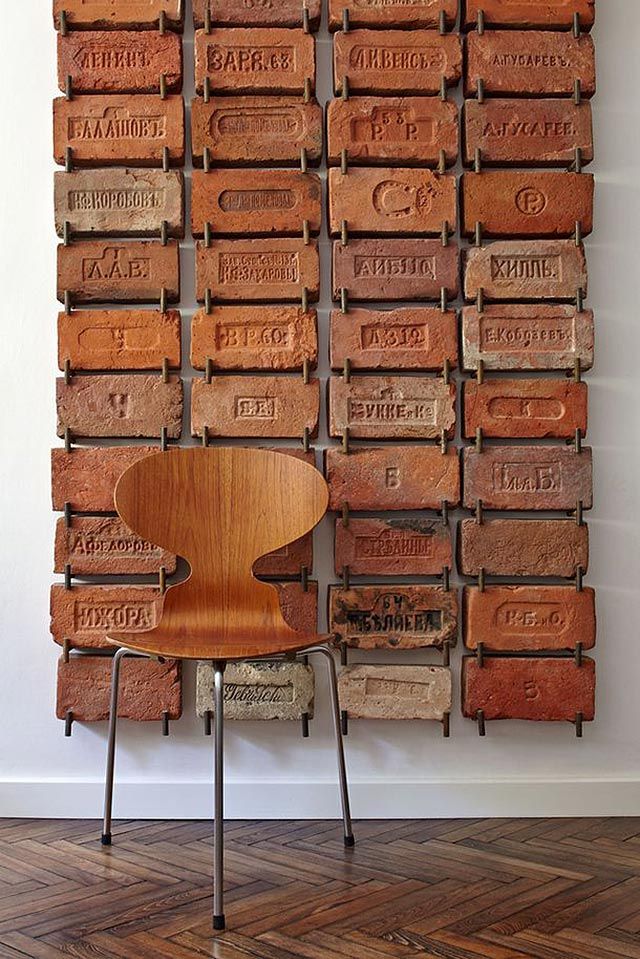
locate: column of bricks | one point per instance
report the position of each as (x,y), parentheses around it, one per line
(119,209)
(256,211)
(392,134)
(527,336)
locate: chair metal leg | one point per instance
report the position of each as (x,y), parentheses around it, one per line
(218,805)
(111,746)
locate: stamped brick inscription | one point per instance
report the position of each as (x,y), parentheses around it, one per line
(419,338)
(99,271)
(394,547)
(395,692)
(525,408)
(258,691)
(393,13)
(122,62)
(276,406)
(119,339)
(147,690)
(254,338)
(396,617)
(256,60)
(119,405)
(396,61)
(86,614)
(394,269)
(522,547)
(98,546)
(528,477)
(526,270)
(86,477)
(284,13)
(391,407)
(257,270)
(540,14)
(119,14)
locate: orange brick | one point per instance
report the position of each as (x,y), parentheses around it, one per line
(526,270)
(99,271)
(392,547)
(254,338)
(86,477)
(287,561)
(119,62)
(148,689)
(103,545)
(394,13)
(273,406)
(395,269)
(119,339)
(522,547)
(419,338)
(84,615)
(528,477)
(255,60)
(391,407)
(119,14)
(257,270)
(120,405)
(525,408)
(396,61)
(284,13)
(536,14)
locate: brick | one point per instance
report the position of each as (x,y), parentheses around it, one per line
(119,14)
(526,270)
(392,477)
(147,689)
(396,61)
(393,616)
(547,690)
(287,561)
(299,607)
(119,129)
(553,408)
(256,131)
(258,691)
(407,130)
(284,13)
(257,270)
(394,13)
(86,478)
(418,338)
(274,406)
(86,614)
(522,547)
(254,338)
(119,339)
(532,204)
(270,201)
(391,407)
(533,14)
(385,200)
(392,547)
(529,63)
(105,61)
(255,60)
(395,692)
(396,269)
(104,546)
(527,131)
(125,404)
(120,202)
(525,337)
(99,271)
(528,477)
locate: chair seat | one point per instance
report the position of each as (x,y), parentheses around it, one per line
(238,645)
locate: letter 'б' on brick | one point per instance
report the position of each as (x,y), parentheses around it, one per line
(528,477)
(393,616)
(395,269)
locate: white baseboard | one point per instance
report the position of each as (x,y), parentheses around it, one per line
(319,800)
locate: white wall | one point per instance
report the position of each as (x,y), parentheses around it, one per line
(396,769)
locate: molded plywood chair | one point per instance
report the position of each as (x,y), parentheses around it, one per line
(221,509)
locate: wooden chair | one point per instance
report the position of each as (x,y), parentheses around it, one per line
(221,509)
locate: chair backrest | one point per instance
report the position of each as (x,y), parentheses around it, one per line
(220,509)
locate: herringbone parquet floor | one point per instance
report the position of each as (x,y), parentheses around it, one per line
(463,889)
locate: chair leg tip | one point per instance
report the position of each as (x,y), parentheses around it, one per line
(349,841)
(105,839)
(219,922)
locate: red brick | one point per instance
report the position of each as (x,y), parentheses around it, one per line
(393,616)
(256,131)
(254,338)
(271,201)
(257,270)
(522,547)
(99,546)
(135,271)
(119,129)
(393,547)
(525,131)
(418,338)
(526,270)
(525,408)
(392,477)
(396,269)
(391,407)
(86,477)
(299,607)
(544,690)
(274,406)
(534,14)
(385,200)
(529,63)
(407,130)
(255,60)
(119,339)
(396,61)
(147,689)
(528,477)
(119,14)
(84,615)
(126,405)
(395,13)
(119,62)
(287,561)
(284,13)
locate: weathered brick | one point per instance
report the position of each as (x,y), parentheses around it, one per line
(528,477)
(396,269)
(119,14)
(384,200)
(85,615)
(119,129)
(119,339)
(287,561)
(394,13)
(392,477)
(533,14)
(529,63)
(546,690)
(254,338)
(525,131)
(392,547)
(86,477)
(393,616)
(126,404)
(147,690)
(255,60)
(119,62)
(408,130)
(396,61)
(255,202)
(539,408)
(103,545)
(299,606)
(258,691)
(417,338)
(395,692)
(522,547)
(284,13)
(120,202)
(135,271)
(256,131)
(391,407)
(537,337)
(277,268)
(274,406)
(526,270)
